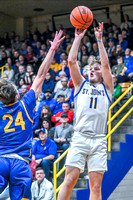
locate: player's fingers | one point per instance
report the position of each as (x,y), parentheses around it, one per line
(60,33)
(62,39)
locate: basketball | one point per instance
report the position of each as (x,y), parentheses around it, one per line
(81,17)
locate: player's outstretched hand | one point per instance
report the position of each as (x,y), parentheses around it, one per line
(80,33)
(99,31)
(57,40)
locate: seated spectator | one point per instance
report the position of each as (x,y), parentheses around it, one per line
(41,188)
(44,152)
(30,56)
(117,89)
(127,73)
(45,113)
(119,51)
(48,83)
(54,65)
(122,42)
(65,89)
(46,123)
(23,49)
(58,84)
(117,69)
(66,109)
(95,51)
(64,68)
(63,133)
(128,57)
(29,73)
(127,21)
(20,74)
(84,55)
(17,43)
(21,82)
(111,51)
(8,71)
(47,101)
(60,101)
(24,89)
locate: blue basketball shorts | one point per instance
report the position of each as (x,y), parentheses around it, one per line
(19,176)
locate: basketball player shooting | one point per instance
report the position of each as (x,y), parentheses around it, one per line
(16,119)
(92,99)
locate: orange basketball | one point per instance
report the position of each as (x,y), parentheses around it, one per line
(81,17)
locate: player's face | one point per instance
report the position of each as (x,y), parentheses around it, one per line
(40,175)
(95,73)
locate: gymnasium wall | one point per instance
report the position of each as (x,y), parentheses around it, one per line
(20,25)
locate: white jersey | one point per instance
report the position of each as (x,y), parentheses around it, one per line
(91,109)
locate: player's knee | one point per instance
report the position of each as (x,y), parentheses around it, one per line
(96,188)
(70,181)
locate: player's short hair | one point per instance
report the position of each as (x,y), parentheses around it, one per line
(96,62)
(8,91)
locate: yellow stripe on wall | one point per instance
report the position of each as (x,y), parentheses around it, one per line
(27,112)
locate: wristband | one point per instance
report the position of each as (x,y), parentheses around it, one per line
(99,40)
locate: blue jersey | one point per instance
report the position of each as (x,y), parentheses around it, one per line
(16,126)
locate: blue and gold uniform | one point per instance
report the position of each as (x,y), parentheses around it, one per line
(15,146)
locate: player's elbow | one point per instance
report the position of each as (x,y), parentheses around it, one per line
(71,62)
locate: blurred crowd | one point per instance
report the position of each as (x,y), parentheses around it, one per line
(20,60)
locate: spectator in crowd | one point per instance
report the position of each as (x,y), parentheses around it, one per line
(128,58)
(64,90)
(117,89)
(30,56)
(127,21)
(9,71)
(45,113)
(42,188)
(21,82)
(117,69)
(44,152)
(111,51)
(95,51)
(119,51)
(20,74)
(58,84)
(54,65)
(17,43)
(28,74)
(122,42)
(83,56)
(126,74)
(63,133)
(24,89)
(47,101)
(87,42)
(60,101)
(47,33)
(64,68)
(46,123)
(3,58)
(23,49)
(66,109)
(48,83)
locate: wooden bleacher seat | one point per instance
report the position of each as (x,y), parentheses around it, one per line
(125,86)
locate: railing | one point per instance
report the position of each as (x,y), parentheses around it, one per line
(108,136)
(2,69)
(56,175)
(110,119)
